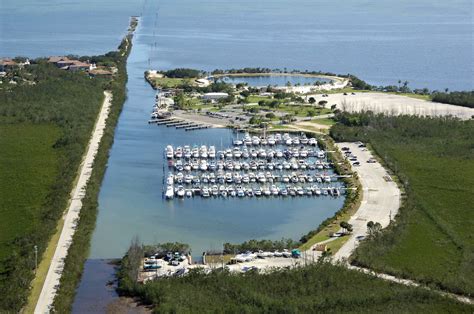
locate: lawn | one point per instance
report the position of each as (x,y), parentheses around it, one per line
(432,240)
(255,99)
(324,121)
(28,167)
(166,82)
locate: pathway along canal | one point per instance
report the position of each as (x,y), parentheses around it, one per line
(131,203)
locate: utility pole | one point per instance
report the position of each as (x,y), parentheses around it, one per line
(36,257)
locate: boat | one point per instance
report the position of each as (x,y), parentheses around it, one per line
(180,191)
(169,194)
(205,192)
(214,190)
(169,152)
(274,190)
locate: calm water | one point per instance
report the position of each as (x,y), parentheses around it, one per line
(279,80)
(131,203)
(427,42)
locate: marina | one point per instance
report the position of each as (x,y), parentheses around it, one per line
(277,165)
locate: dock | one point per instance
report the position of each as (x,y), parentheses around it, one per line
(277,166)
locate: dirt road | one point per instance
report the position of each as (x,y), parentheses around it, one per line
(51,283)
(393,104)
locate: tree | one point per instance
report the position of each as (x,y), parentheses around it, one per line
(346,227)
(373,228)
(322,103)
(270,115)
(311,113)
(311,100)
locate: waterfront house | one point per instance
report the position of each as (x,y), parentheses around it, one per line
(7,64)
(101,72)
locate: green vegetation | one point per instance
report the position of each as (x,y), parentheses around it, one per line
(29,166)
(324,121)
(48,124)
(79,249)
(256,245)
(431,240)
(166,82)
(351,202)
(58,114)
(320,287)
(465,99)
(183,73)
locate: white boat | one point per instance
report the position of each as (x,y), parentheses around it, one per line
(274,190)
(188,193)
(180,191)
(169,152)
(212,152)
(205,192)
(169,194)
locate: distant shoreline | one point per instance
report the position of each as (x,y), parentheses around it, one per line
(330,77)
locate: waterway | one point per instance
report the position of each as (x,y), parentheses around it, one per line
(273,80)
(131,203)
(428,43)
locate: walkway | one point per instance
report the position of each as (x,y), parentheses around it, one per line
(53,277)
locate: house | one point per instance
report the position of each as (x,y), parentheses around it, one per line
(7,64)
(79,66)
(101,72)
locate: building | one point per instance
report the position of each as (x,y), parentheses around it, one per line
(69,64)
(214,96)
(79,66)
(7,64)
(100,72)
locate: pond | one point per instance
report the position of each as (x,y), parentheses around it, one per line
(273,80)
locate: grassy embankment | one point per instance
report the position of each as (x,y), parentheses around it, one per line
(320,287)
(45,128)
(352,201)
(431,240)
(79,248)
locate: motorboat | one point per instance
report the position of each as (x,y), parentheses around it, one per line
(205,192)
(169,194)
(180,191)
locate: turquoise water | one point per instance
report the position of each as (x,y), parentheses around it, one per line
(427,42)
(278,80)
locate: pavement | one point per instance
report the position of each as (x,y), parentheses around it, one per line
(380,198)
(71,216)
(392,104)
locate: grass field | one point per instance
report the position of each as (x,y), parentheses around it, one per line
(28,167)
(432,239)
(166,82)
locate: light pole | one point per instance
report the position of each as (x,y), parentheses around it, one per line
(36,258)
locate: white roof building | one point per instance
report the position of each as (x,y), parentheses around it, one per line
(214,96)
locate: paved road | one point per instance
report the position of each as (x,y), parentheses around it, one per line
(380,200)
(56,267)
